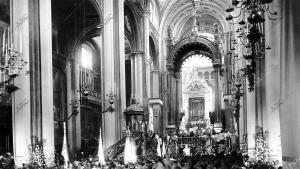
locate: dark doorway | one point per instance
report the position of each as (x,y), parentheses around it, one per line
(6,140)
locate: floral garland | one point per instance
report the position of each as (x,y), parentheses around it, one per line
(260,147)
(244,150)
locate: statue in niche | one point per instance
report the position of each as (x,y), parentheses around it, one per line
(170,32)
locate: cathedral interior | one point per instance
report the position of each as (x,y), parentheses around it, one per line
(161,79)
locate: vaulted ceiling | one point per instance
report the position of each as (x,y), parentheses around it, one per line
(178,13)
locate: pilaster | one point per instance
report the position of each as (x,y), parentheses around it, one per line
(70,131)
(138,76)
(21,101)
(46,80)
(75,122)
(147,58)
(218,123)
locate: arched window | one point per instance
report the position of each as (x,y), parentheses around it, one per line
(86,57)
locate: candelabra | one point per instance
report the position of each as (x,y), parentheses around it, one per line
(251,15)
(12,62)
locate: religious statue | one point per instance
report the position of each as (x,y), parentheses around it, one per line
(170,32)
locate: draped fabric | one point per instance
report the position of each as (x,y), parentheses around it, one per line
(290,79)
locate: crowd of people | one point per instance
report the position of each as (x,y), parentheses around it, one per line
(233,161)
(219,161)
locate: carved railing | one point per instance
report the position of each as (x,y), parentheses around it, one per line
(89,83)
(191,140)
(92,100)
(118,147)
(201,145)
(115,149)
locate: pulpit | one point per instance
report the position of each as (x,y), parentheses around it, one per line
(135,117)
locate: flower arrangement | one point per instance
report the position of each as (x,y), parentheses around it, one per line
(260,147)
(38,157)
(244,149)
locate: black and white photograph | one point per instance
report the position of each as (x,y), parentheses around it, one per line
(149,84)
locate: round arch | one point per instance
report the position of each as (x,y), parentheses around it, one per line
(188,46)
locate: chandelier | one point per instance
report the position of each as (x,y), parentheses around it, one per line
(11,63)
(251,15)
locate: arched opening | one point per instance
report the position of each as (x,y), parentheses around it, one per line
(197,93)
(90,82)
(86,57)
(193,92)
(132,50)
(76,43)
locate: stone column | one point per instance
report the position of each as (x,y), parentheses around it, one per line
(108,118)
(155,115)
(46,80)
(251,124)
(218,123)
(171,99)
(147,58)
(155,84)
(75,122)
(133,78)
(32,104)
(120,67)
(68,72)
(178,96)
(21,114)
(138,76)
